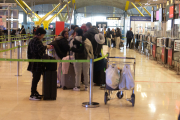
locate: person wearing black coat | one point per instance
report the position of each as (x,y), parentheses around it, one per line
(36,50)
(119,37)
(61,46)
(108,36)
(129,37)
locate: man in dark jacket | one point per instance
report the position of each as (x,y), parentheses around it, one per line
(36,50)
(129,37)
(90,34)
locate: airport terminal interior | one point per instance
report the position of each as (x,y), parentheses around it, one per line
(128,65)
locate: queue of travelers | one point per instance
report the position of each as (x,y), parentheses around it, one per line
(113,37)
(77,43)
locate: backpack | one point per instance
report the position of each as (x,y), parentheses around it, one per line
(80,51)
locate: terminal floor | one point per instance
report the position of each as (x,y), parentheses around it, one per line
(156,89)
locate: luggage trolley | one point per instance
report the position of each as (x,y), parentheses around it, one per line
(108,90)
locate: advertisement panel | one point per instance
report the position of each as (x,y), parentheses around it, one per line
(163,54)
(2,22)
(59,27)
(170,57)
(154,51)
(171,12)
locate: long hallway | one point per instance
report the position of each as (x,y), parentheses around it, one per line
(156,90)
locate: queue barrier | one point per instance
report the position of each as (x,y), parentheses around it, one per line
(89,104)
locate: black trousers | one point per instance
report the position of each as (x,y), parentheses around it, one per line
(35,80)
(128,42)
(114,43)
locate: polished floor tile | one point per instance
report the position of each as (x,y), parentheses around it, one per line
(156,89)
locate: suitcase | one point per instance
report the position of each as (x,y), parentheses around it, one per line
(132,46)
(99,72)
(121,44)
(51,66)
(50,85)
(68,80)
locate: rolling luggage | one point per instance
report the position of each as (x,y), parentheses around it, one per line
(50,85)
(68,80)
(121,44)
(99,73)
(51,66)
(132,46)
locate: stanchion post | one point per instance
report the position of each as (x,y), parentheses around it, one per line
(10,48)
(18,53)
(91,104)
(15,38)
(21,49)
(5,45)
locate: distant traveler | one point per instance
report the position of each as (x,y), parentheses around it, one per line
(108,36)
(71,31)
(113,38)
(129,37)
(78,46)
(119,37)
(28,31)
(36,50)
(96,39)
(23,31)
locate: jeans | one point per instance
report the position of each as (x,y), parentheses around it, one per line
(109,42)
(59,72)
(118,40)
(79,68)
(35,80)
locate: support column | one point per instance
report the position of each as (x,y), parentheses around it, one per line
(75,12)
(24,18)
(124,23)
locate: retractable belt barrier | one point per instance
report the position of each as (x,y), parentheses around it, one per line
(89,104)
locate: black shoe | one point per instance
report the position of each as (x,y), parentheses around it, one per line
(37,94)
(34,97)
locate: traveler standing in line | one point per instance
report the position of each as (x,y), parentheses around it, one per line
(28,31)
(108,36)
(23,31)
(96,38)
(105,36)
(78,46)
(129,37)
(73,34)
(113,37)
(36,50)
(62,48)
(72,30)
(119,37)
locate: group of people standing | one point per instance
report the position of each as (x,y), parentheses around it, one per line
(79,43)
(113,37)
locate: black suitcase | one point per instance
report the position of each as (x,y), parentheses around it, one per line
(51,66)
(132,46)
(99,72)
(50,85)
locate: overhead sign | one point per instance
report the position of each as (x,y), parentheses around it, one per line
(139,18)
(113,18)
(35,19)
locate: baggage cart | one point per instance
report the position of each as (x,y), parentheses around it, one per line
(120,62)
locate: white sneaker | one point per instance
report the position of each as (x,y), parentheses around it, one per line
(86,88)
(76,89)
